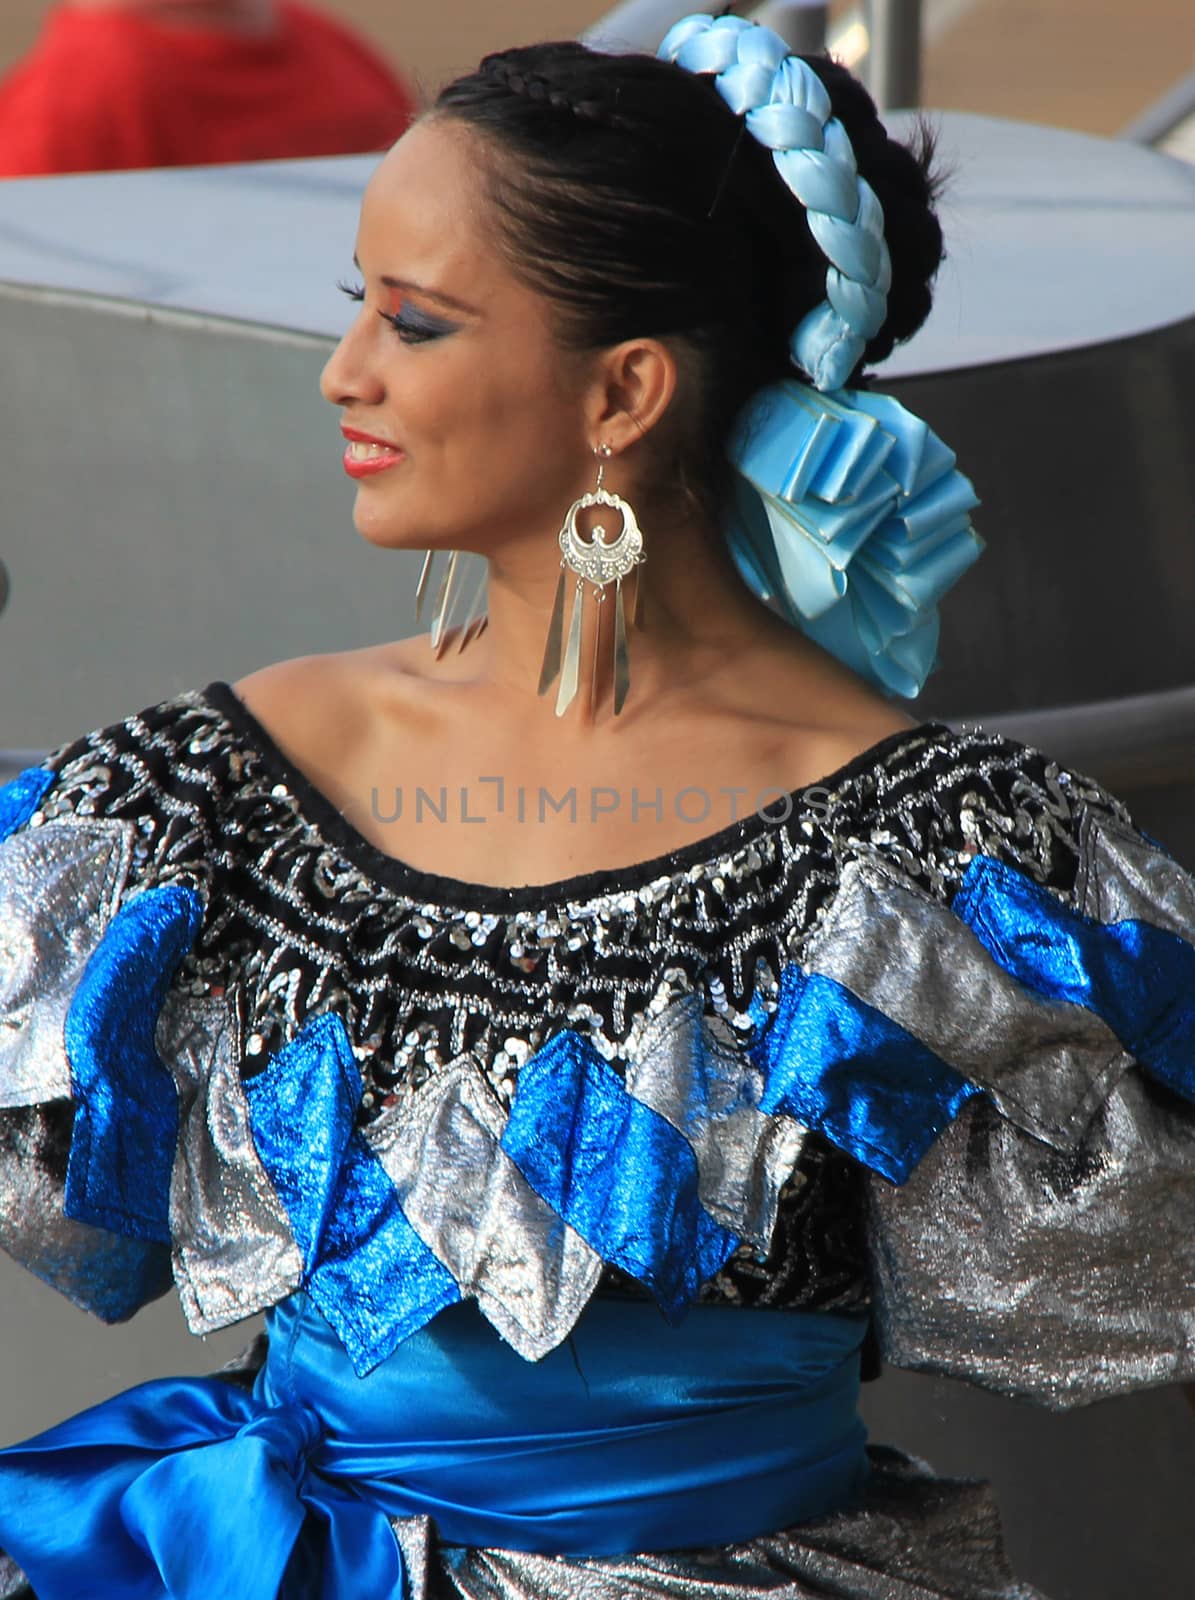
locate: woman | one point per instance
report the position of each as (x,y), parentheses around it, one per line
(463,1112)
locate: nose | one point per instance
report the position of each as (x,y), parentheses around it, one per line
(351,371)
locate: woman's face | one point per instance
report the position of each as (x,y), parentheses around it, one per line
(451,364)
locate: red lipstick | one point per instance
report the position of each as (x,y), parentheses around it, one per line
(366,454)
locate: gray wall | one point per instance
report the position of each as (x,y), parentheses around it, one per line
(173,511)
(228,544)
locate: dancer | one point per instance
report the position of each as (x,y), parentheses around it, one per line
(583,1167)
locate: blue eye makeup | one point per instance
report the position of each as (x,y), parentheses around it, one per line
(412,325)
(417,326)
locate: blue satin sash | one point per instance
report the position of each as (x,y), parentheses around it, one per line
(630,1436)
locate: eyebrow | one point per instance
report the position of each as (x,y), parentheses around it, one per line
(432,294)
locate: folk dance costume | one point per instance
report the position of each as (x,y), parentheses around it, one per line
(577,1210)
(570,1206)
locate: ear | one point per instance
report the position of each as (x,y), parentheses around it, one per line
(632,389)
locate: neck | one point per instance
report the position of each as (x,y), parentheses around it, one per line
(226,16)
(701,627)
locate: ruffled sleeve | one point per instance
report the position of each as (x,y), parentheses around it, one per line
(1017,999)
(105,874)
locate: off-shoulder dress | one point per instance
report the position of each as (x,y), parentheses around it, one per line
(578,1211)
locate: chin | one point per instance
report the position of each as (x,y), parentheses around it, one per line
(387,532)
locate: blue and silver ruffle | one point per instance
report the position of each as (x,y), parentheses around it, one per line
(901,1011)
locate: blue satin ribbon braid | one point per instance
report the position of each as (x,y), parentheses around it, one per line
(788,110)
(850,516)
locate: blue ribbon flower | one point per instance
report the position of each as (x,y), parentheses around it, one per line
(851,515)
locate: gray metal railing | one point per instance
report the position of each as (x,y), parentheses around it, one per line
(893,63)
(1166,114)
(802,23)
(1143,741)
(641,24)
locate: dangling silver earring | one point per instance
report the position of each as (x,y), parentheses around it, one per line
(600,564)
(446,598)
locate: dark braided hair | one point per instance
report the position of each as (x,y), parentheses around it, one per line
(500,68)
(630,194)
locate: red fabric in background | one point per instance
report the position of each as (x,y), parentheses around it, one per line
(107,90)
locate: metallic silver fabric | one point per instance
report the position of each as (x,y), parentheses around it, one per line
(916,1537)
(234,1253)
(99,1271)
(1124,876)
(1046,1063)
(12,1581)
(1056,1277)
(58,890)
(1049,1252)
(710,1092)
(531,1274)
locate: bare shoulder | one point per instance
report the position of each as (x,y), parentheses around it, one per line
(286,694)
(320,706)
(822,750)
(823,716)
(872,727)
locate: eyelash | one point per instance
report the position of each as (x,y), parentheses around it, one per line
(408,332)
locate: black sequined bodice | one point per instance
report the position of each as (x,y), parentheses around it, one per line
(305,916)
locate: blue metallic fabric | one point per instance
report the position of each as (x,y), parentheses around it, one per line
(126,1108)
(302,1104)
(20,798)
(644,1438)
(840,1066)
(609,1166)
(364,1265)
(615,1170)
(1138,977)
(381,1259)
